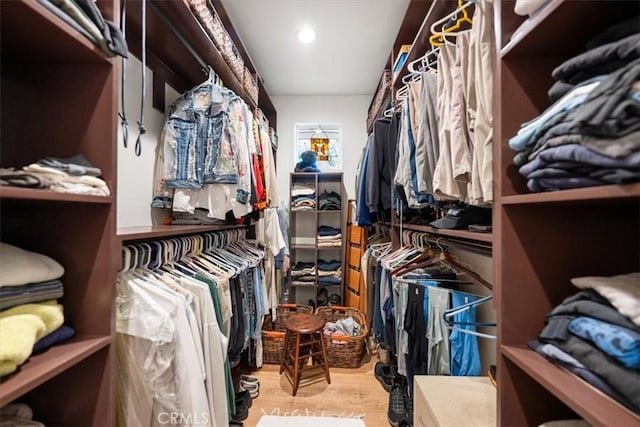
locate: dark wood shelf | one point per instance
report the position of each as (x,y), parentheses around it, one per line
(18,193)
(594,406)
(558,20)
(420,44)
(463,234)
(142,232)
(589,194)
(45,366)
(22,24)
(171,54)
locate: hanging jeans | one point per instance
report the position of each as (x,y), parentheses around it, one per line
(465,356)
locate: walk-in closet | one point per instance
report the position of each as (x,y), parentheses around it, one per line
(310,213)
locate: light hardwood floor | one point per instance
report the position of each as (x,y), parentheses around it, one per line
(351,392)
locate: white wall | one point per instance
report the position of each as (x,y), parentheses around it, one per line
(135,174)
(350,111)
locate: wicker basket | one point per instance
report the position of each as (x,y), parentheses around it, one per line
(250,85)
(210,21)
(233,58)
(385,82)
(273,332)
(343,351)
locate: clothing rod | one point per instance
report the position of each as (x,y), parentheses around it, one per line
(240,231)
(179,36)
(415,282)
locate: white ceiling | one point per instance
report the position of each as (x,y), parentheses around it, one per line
(354,40)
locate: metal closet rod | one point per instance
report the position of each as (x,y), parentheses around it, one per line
(183,41)
(481,248)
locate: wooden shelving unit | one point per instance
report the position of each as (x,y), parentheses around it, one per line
(58,99)
(543,240)
(305,223)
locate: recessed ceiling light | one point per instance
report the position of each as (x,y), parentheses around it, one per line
(306,35)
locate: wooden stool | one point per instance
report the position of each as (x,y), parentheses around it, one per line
(303,340)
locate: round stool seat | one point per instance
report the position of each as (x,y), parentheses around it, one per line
(303,341)
(304,323)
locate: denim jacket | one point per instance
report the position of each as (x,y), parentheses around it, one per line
(200,144)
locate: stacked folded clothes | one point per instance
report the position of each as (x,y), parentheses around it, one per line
(596,335)
(329,201)
(64,175)
(86,18)
(591,134)
(329,236)
(18,415)
(31,319)
(329,272)
(303,273)
(303,197)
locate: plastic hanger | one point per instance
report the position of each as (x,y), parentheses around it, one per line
(437,38)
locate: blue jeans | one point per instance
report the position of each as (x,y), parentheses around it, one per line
(465,356)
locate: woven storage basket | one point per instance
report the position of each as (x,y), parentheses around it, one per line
(343,351)
(273,332)
(233,58)
(385,82)
(250,85)
(210,21)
